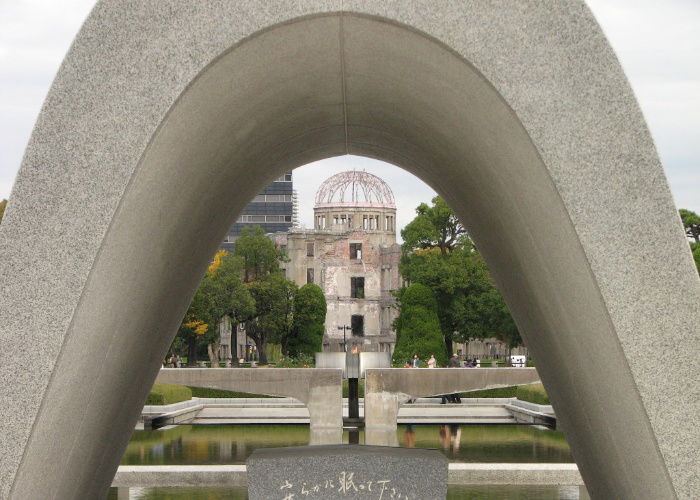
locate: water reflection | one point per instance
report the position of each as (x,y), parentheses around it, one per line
(232,444)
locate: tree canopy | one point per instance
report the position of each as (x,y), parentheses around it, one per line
(258,254)
(691,224)
(3,204)
(435,226)
(308,325)
(418,327)
(438,253)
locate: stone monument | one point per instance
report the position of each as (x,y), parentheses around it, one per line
(352,471)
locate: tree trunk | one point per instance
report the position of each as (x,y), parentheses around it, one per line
(213,350)
(192,351)
(262,351)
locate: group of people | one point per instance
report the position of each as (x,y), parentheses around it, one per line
(432,363)
(172,361)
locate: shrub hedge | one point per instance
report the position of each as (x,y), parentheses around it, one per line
(534,393)
(166,394)
(206,392)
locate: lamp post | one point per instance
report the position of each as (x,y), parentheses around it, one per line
(344,327)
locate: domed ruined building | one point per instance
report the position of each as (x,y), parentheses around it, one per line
(352,254)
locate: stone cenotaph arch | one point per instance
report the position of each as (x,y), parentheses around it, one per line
(167,117)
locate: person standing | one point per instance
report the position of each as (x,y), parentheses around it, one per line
(415,362)
(432,362)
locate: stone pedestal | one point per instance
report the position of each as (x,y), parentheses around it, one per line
(352,471)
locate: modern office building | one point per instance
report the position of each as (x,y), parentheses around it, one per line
(274,209)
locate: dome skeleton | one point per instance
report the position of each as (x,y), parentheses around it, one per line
(362,188)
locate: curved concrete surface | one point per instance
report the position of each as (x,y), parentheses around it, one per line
(166,118)
(321,390)
(386,389)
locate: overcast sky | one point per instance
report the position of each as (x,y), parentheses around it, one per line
(658,43)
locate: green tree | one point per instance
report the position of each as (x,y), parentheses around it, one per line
(196,322)
(435,226)
(308,324)
(418,326)
(438,253)
(258,254)
(3,204)
(695,247)
(228,296)
(691,223)
(272,320)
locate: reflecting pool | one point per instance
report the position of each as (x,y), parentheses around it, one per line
(232,444)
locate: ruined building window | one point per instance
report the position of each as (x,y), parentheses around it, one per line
(310,249)
(357,322)
(357,288)
(355,250)
(365,222)
(309,274)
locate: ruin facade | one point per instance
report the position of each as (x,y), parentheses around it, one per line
(352,254)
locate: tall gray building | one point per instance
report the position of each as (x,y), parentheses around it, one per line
(273,209)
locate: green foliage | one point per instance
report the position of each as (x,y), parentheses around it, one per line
(308,325)
(3,204)
(418,327)
(438,254)
(691,224)
(695,248)
(166,394)
(258,254)
(534,393)
(435,226)
(273,311)
(274,353)
(301,361)
(360,388)
(207,392)
(500,392)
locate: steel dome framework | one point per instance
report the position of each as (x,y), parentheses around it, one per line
(354,188)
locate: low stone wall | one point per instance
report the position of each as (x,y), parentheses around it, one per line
(458,473)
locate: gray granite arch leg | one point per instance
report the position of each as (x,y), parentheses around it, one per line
(166,117)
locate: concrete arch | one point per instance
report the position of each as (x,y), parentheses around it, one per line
(520,116)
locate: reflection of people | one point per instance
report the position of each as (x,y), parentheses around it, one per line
(450,437)
(409,437)
(432,362)
(416,362)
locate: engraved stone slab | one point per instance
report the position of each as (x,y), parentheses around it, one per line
(346,471)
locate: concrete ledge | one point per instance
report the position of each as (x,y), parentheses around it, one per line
(180,475)
(515,474)
(235,475)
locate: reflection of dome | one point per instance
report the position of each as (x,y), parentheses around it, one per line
(354,189)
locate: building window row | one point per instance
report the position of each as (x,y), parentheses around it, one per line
(264,218)
(284,178)
(272,198)
(342,219)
